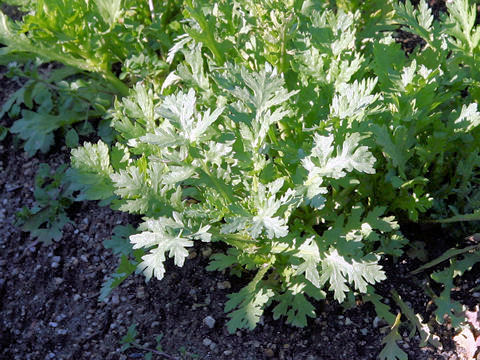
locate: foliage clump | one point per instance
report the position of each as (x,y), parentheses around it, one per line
(298,133)
(300,152)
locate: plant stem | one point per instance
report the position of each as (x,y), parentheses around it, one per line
(259,276)
(161,353)
(116,83)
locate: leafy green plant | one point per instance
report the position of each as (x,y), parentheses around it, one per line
(128,258)
(93,35)
(447,308)
(47,103)
(89,39)
(46,219)
(300,151)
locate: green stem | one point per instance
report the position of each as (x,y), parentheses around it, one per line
(208,37)
(283,50)
(157,352)
(122,89)
(239,241)
(212,45)
(259,276)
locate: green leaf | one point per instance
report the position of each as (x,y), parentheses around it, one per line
(90,172)
(419,21)
(110,10)
(3,133)
(160,238)
(336,269)
(381,309)
(309,252)
(391,351)
(119,243)
(249,302)
(475,216)
(423,329)
(222,261)
(446,306)
(124,269)
(468,119)
(447,255)
(71,138)
(295,306)
(130,337)
(37,129)
(322,163)
(47,224)
(352,101)
(398,153)
(250,306)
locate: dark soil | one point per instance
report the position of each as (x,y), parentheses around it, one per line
(49,306)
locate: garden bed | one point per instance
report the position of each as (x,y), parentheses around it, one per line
(49,306)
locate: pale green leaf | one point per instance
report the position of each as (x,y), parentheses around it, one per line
(110,10)
(391,351)
(90,172)
(339,271)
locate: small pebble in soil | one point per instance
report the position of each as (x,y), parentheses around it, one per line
(364,331)
(53,324)
(60,317)
(207,342)
(224,285)
(76,297)
(140,292)
(115,299)
(348,321)
(227,352)
(269,353)
(62,332)
(206,252)
(209,321)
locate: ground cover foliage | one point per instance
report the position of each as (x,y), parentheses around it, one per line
(297,133)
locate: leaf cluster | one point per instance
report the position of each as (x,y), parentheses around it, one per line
(90,40)
(46,219)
